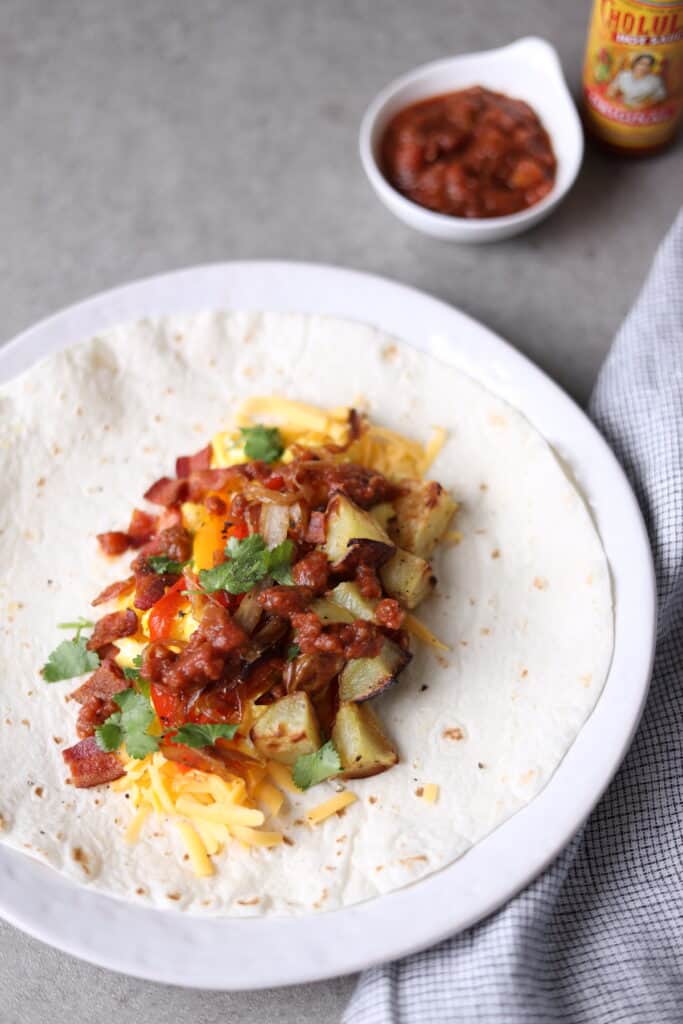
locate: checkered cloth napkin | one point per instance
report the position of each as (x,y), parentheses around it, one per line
(598,938)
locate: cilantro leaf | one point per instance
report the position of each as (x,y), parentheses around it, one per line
(69,659)
(293,651)
(280,561)
(109,735)
(79,625)
(262,443)
(203,735)
(134,719)
(133,673)
(163,564)
(310,769)
(248,562)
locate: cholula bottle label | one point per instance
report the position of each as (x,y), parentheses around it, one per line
(633,74)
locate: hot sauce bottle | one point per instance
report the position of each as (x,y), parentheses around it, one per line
(633,74)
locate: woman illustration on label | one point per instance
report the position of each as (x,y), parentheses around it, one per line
(639,86)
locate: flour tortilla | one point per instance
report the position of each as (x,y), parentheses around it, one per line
(524,601)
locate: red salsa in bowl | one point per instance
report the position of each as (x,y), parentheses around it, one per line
(471,153)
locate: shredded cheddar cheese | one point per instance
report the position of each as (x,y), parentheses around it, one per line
(329,807)
(282,775)
(208,811)
(419,630)
(430,792)
(196,850)
(387,451)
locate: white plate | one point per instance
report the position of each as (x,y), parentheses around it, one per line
(226,953)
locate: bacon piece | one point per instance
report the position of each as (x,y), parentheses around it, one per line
(169,517)
(185,465)
(150,587)
(141,528)
(203,760)
(167,491)
(174,541)
(204,480)
(114,542)
(90,766)
(215,505)
(226,763)
(112,627)
(117,589)
(105,681)
(315,534)
(108,652)
(93,713)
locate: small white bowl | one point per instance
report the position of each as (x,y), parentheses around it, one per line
(529,70)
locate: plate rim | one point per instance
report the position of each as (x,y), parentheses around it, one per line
(371,932)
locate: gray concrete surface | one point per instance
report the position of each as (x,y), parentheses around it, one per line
(140,137)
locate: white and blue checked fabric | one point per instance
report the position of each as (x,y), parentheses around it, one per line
(598,938)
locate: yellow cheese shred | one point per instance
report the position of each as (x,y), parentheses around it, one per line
(419,630)
(254,837)
(390,453)
(196,850)
(207,810)
(430,792)
(270,796)
(133,830)
(282,775)
(329,807)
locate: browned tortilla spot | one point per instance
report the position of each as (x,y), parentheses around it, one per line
(323,896)
(455,733)
(81,857)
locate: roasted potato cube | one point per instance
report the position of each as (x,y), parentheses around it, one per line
(287,729)
(383,513)
(362,746)
(423,513)
(362,678)
(352,534)
(349,597)
(331,611)
(408,578)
